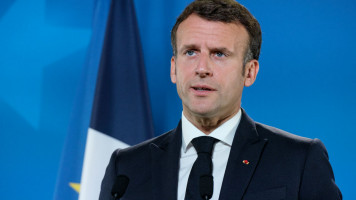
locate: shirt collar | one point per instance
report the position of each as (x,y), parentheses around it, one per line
(225,132)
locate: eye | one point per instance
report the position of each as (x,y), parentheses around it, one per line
(219,54)
(190,52)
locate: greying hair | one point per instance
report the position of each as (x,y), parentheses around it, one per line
(227,11)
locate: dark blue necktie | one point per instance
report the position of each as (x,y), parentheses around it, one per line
(202,166)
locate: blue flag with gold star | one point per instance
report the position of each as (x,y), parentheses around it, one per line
(119,113)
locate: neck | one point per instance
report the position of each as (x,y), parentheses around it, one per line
(209,124)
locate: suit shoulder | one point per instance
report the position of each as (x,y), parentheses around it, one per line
(275,134)
(143,147)
(131,160)
(289,142)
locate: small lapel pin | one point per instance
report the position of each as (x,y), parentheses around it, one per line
(246,162)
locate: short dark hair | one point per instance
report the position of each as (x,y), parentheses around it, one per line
(227,11)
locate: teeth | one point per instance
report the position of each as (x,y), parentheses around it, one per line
(202,89)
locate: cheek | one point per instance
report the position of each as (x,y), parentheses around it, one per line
(231,80)
(181,81)
(184,74)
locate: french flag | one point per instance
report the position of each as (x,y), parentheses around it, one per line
(120,114)
(121,111)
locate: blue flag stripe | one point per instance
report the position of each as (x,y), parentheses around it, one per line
(121,106)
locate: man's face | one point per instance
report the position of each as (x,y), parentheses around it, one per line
(208,67)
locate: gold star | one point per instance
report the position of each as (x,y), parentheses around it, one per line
(75,186)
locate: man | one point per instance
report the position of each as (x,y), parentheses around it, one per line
(216,45)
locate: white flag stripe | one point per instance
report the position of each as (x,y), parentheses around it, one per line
(98,150)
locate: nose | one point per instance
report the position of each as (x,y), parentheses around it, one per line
(203,68)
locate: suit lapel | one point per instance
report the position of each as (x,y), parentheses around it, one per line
(244,156)
(165,165)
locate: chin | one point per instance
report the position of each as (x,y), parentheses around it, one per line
(201,108)
(204,112)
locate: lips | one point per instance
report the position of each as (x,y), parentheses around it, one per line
(202,89)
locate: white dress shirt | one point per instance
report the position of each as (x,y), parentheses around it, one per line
(225,133)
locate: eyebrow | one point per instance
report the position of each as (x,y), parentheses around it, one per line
(221,49)
(215,49)
(189,46)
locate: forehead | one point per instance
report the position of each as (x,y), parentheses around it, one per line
(198,31)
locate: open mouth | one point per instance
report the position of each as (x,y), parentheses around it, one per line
(202,89)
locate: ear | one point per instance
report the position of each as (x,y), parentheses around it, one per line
(251,71)
(173,70)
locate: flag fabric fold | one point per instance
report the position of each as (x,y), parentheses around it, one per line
(120,114)
(70,168)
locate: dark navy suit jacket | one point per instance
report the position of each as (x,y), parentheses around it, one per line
(280,166)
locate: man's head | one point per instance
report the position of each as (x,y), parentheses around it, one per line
(227,11)
(212,62)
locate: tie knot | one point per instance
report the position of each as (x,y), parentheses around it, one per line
(204,144)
